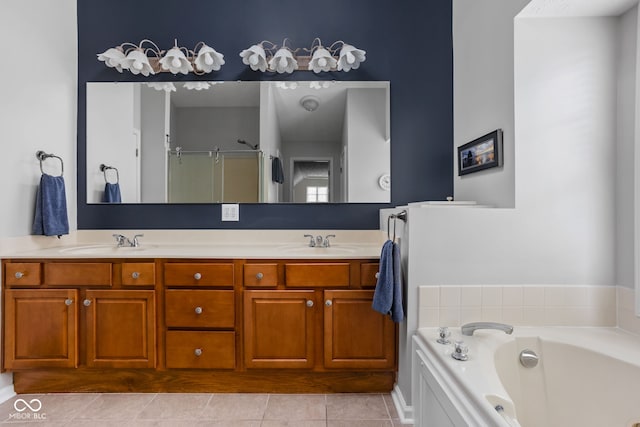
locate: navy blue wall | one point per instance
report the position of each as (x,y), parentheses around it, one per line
(408,42)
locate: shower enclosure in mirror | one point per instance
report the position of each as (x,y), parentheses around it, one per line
(240,142)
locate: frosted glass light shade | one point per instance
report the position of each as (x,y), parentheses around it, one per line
(175,61)
(197,85)
(112,58)
(138,63)
(166,86)
(208,59)
(255,58)
(322,61)
(350,58)
(283,61)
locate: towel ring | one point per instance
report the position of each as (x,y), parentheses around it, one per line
(104,168)
(42,156)
(401,216)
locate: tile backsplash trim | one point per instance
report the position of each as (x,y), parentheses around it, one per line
(518,305)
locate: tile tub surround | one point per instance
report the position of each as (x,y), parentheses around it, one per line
(228,410)
(518,305)
(627,318)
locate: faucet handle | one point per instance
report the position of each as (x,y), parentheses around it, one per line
(327,243)
(312,240)
(120,239)
(444,334)
(460,351)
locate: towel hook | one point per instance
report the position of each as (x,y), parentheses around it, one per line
(42,156)
(104,169)
(401,216)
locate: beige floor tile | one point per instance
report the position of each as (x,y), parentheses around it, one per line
(117,406)
(356,407)
(296,407)
(294,423)
(359,423)
(175,406)
(391,407)
(236,406)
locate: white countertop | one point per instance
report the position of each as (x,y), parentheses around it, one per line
(225,244)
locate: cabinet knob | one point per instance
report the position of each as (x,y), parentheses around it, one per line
(135,275)
(198,310)
(377,275)
(197,352)
(68,301)
(86,302)
(259,276)
(19,275)
(328,303)
(197,276)
(309,303)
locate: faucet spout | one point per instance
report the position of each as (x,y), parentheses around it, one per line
(470,328)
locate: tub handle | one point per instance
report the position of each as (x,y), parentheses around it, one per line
(444,333)
(460,352)
(529,358)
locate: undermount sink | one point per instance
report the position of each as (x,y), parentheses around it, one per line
(104,249)
(308,250)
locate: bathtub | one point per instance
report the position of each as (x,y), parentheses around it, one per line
(584,377)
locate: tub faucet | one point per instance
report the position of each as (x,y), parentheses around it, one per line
(470,328)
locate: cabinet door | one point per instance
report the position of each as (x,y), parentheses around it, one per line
(278,329)
(120,329)
(356,336)
(41,328)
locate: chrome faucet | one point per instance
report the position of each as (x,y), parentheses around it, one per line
(123,241)
(470,328)
(319,241)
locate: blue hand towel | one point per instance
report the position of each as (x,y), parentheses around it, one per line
(51,207)
(387,298)
(112,193)
(277,174)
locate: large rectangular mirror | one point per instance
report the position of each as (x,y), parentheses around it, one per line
(238,142)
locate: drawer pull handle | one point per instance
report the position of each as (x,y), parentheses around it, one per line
(309,303)
(135,275)
(197,352)
(19,275)
(198,310)
(259,276)
(68,301)
(86,302)
(328,303)
(197,276)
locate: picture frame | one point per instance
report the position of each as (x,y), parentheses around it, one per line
(481,153)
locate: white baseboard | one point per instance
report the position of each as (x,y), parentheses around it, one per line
(6,393)
(405,412)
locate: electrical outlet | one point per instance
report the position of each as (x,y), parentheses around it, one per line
(230,212)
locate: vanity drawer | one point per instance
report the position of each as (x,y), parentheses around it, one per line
(199,309)
(138,273)
(22,274)
(202,349)
(263,275)
(77,274)
(302,275)
(179,274)
(368,274)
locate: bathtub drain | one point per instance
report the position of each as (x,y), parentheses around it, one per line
(529,358)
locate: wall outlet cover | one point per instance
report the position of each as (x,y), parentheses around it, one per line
(230,212)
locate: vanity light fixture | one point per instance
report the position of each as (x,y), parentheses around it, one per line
(339,56)
(147,58)
(170,87)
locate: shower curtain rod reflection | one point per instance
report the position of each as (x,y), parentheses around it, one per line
(178,151)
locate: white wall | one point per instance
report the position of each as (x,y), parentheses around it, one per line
(627,70)
(367,144)
(38,105)
(154,108)
(37,108)
(111,129)
(269,142)
(483,52)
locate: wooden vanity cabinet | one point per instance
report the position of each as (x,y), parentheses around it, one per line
(64,322)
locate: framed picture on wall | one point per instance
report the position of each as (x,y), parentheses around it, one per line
(481,153)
